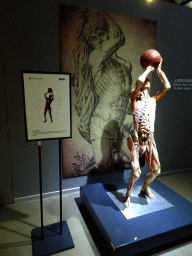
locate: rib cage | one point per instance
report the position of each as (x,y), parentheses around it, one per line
(141,116)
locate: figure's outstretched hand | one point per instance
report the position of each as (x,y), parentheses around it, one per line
(150,68)
(160,64)
(146,72)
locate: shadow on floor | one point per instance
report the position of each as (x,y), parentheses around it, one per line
(7,214)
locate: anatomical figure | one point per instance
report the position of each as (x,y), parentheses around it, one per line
(143,107)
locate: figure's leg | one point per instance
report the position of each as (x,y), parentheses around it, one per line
(45,111)
(155,171)
(102,153)
(50,114)
(136,172)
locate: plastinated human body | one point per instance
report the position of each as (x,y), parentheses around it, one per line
(144,107)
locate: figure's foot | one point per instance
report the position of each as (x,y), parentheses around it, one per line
(148,192)
(45,121)
(127,202)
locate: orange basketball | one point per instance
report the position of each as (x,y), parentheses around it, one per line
(150,57)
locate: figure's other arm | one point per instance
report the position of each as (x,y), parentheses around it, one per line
(165,82)
(115,37)
(111,40)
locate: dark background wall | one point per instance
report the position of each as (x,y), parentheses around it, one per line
(30,41)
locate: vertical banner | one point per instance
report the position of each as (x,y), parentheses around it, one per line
(102,52)
(47,105)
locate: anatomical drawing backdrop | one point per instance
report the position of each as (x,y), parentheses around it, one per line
(102,52)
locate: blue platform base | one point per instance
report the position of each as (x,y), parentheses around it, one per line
(132,236)
(53,241)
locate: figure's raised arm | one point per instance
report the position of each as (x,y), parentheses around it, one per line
(115,37)
(140,81)
(105,37)
(165,82)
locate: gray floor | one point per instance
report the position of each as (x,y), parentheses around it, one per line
(17,221)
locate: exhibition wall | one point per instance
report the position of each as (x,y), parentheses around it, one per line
(31,41)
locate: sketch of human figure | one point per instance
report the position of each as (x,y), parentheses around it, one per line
(102,82)
(49,97)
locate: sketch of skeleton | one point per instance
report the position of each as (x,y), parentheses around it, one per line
(102,82)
